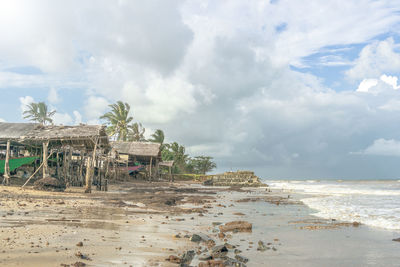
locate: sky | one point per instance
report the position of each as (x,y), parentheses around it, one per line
(301,89)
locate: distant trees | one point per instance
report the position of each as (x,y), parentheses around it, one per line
(202,164)
(121,127)
(183,163)
(38,112)
(175,152)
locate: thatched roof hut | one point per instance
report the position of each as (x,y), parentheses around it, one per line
(80,136)
(167,163)
(15,131)
(140,151)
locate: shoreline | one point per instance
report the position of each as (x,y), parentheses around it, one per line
(143,224)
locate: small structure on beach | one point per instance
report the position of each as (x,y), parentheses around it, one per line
(46,141)
(169,164)
(238,178)
(134,154)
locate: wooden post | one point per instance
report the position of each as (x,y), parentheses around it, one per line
(6,179)
(100,172)
(115,169)
(106,185)
(151,165)
(170,174)
(157,173)
(107,168)
(69,165)
(81,163)
(35,163)
(90,169)
(65,165)
(58,166)
(127,168)
(45,165)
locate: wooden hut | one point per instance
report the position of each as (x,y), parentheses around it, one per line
(169,164)
(86,138)
(145,153)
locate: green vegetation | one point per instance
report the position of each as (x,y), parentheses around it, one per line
(38,112)
(120,126)
(118,120)
(136,132)
(158,137)
(202,164)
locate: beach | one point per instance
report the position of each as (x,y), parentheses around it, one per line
(153,224)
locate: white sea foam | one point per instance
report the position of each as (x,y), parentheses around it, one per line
(373,203)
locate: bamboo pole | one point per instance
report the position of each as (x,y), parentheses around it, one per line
(35,172)
(65,165)
(81,163)
(6,180)
(89,169)
(45,165)
(58,165)
(151,165)
(69,171)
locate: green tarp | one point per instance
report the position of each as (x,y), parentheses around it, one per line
(16,163)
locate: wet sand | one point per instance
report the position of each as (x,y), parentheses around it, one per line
(142,224)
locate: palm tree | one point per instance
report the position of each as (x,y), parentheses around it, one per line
(38,112)
(158,137)
(118,120)
(136,132)
(175,152)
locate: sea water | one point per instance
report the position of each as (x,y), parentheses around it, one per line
(373,203)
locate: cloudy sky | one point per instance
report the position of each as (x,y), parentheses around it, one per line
(290,89)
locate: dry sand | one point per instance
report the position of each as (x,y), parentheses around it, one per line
(142,224)
(132,224)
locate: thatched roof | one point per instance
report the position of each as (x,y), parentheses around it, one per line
(167,163)
(36,133)
(147,149)
(14,131)
(66,132)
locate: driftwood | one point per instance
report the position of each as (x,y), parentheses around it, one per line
(41,165)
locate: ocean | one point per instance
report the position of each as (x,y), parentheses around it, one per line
(373,203)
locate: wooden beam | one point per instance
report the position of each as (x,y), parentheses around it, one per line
(90,169)
(6,179)
(45,165)
(151,165)
(58,165)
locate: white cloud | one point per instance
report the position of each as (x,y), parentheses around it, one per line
(2,120)
(366,84)
(383,147)
(53,96)
(25,101)
(391,105)
(62,119)
(216,75)
(94,108)
(375,59)
(391,80)
(376,86)
(77,117)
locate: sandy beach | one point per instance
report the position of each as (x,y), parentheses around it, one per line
(152,224)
